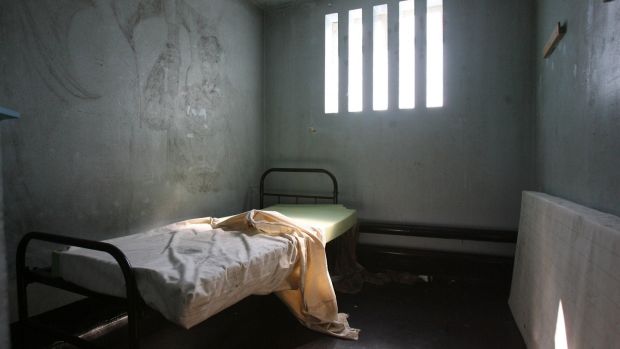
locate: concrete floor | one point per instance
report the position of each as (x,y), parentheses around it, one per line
(442,313)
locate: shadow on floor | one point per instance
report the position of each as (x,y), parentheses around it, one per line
(441,313)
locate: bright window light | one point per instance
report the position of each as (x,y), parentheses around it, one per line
(331,63)
(355,61)
(434,54)
(380,58)
(406,58)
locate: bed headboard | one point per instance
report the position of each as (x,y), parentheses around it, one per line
(333,197)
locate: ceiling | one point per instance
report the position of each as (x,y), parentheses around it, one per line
(273,3)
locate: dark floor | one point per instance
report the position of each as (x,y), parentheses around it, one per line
(442,313)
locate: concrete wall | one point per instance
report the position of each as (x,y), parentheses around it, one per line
(578,104)
(464,164)
(135,113)
(4,301)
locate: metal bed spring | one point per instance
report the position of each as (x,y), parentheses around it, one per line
(26,276)
(333,197)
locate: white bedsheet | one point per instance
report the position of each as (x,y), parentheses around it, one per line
(187,271)
(191,270)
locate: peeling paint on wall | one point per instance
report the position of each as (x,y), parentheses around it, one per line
(162,86)
(177,88)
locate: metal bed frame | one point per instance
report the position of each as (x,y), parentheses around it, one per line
(133,301)
(333,197)
(25,276)
(342,249)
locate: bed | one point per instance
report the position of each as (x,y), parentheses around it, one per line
(334,219)
(193,269)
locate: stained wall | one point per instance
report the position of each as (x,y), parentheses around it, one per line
(135,113)
(464,164)
(4,301)
(578,104)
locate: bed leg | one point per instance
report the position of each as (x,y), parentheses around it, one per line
(344,266)
(133,317)
(132,324)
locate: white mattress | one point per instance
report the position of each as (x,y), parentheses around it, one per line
(566,282)
(187,271)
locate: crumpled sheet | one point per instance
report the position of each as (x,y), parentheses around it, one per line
(308,293)
(191,270)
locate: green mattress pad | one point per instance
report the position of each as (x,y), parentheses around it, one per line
(334,220)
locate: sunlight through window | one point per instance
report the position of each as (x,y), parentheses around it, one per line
(331,63)
(406,58)
(355,61)
(434,54)
(561,342)
(380,58)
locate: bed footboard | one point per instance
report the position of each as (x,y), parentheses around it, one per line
(26,276)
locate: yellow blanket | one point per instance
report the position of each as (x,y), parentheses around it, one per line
(308,293)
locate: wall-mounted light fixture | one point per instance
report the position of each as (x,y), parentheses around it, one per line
(608,0)
(6,113)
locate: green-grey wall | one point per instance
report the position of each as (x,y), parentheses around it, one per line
(578,103)
(135,113)
(4,290)
(464,164)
